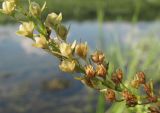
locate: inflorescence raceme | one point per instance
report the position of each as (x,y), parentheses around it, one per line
(75,57)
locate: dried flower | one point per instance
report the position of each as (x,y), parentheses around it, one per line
(81,50)
(41,42)
(67,65)
(65,49)
(53,19)
(110,95)
(8,7)
(62,32)
(26,29)
(101,70)
(35,9)
(141,77)
(131,100)
(89,70)
(98,57)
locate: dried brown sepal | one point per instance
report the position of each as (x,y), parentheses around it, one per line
(110,95)
(98,57)
(90,72)
(101,71)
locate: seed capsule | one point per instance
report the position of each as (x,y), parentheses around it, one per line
(141,77)
(119,74)
(98,57)
(131,100)
(110,95)
(101,71)
(90,71)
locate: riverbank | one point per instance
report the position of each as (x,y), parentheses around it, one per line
(129,10)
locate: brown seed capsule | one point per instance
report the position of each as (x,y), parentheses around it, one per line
(131,100)
(119,74)
(141,77)
(98,57)
(101,70)
(115,79)
(110,95)
(90,72)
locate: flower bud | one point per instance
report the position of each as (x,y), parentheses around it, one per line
(110,95)
(89,71)
(26,29)
(67,65)
(53,19)
(65,49)
(81,50)
(62,32)
(35,9)
(8,7)
(98,57)
(41,42)
(101,70)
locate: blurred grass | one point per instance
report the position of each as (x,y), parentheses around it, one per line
(113,9)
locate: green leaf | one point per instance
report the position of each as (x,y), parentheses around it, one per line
(43,7)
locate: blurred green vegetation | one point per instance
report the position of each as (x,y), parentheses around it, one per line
(113,9)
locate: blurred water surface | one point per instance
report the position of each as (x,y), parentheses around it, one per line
(25,71)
